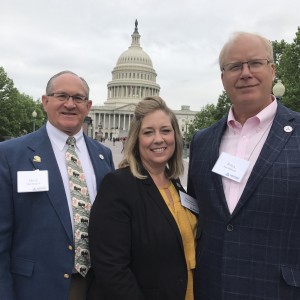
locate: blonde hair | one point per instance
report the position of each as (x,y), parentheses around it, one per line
(236,36)
(131,148)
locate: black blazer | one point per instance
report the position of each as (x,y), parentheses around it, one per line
(136,247)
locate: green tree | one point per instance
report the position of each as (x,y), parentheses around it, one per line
(26,107)
(16,109)
(223,106)
(204,118)
(8,97)
(278,49)
(289,70)
(208,115)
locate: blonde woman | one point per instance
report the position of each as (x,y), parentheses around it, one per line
(141,237)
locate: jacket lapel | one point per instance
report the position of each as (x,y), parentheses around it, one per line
(155,195)
(42,157)
(274,144)
(216,138)
(100,160)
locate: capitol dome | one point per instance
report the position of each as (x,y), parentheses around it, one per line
(135,53)
(133,77)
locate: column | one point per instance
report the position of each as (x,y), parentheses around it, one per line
(124,122)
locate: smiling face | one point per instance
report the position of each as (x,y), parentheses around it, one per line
(249,92)
(67,116)
(156,141)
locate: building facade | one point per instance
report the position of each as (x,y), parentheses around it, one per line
(133,78)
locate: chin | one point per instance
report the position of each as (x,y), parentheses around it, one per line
(70,129)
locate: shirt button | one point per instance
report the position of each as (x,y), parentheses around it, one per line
(70,247)
(66,276)
(229,227)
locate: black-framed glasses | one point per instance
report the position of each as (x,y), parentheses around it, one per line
(254,65)
(63,97)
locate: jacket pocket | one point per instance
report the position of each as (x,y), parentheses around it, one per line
(22,266)
(291,276)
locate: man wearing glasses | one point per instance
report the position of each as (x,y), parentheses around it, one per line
(49,180)
(244,172)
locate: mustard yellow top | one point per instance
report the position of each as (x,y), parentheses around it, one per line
(186,222)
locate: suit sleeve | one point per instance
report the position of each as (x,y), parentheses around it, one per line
(110,158)
(110,240)
(193,147)
(112,165)
(190,189)
(6,227)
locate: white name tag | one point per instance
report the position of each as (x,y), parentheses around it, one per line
(188,202)
(231,167)
(32,181)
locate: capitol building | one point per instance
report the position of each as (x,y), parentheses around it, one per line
(133,78)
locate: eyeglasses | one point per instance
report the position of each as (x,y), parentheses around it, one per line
(255,65)
(63,97)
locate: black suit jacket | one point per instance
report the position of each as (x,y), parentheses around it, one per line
(136,247)
(253,253)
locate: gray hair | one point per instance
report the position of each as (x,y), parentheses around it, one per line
(236,36)
(50,82)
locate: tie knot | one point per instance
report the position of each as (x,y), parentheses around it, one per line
(71,141)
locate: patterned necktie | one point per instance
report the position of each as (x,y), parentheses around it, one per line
(81,208)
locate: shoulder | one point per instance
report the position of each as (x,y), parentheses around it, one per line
(211,130)
(24,141)
(119,186)
(120,177)
(120,182)
(284,111)
(200,133)
(96,145)
(285,116)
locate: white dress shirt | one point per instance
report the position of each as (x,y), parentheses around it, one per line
(58,141)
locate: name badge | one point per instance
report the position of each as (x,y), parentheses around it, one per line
(32,181)
(188,202)
(231,167)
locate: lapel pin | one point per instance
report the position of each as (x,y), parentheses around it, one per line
(101,156)
(288,128)
(36,158)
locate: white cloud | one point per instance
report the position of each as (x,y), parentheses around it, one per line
(183,39)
